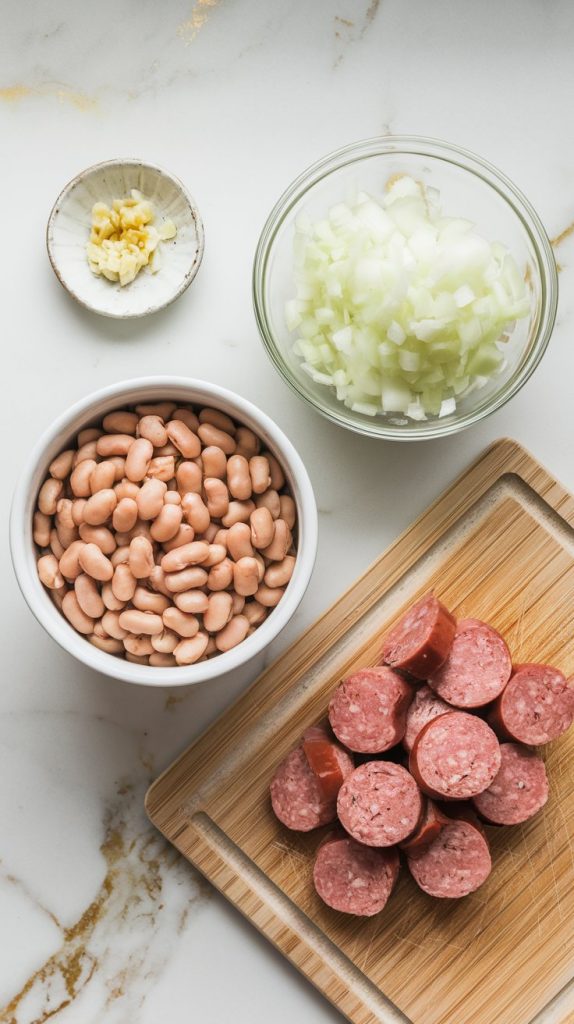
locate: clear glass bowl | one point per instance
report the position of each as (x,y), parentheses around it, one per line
(469,187)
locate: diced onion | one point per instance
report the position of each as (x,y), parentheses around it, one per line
(398,308)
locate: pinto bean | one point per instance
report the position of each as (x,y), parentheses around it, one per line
(114,444)
(214,462)
(189,651)
(99,508)
(162,468)
(221,575)
(167,523)
(232,634)
(214,437)
(102,477)
(110,600)
(125,514)
(184,439)
(217,419)
(88,596)
(270,500)
(217,497)
(246,577)
(120,422)
(187,579)
(184,535)
(141,561)
(138,459)
(148,601)
(94,562)
(218,612)
(260,474)
(238,512)
(159,660)
(41,526)
(194,602)
(180,622)
(165,642)
(262,528)
(49,572)
(99,535)
(140,623)
(188,477)
(153,428)
(279,573)
(81,622)
(150,499)
(61,466)
(50,493)
(195,512)
(281,542)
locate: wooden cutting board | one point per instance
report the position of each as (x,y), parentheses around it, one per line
(498,545)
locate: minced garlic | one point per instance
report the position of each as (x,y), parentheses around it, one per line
(123,239)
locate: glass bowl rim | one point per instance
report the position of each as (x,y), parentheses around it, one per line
(464,160)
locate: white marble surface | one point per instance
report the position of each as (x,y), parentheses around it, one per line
(97,916)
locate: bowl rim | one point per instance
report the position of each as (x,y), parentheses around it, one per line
(195,215)
(465,160)
(52,620)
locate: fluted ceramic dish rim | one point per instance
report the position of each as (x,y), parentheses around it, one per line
(194,213)
(467,161)
(83,413)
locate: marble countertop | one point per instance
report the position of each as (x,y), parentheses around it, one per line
(99,920)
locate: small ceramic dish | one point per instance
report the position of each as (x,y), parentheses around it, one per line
(69,229)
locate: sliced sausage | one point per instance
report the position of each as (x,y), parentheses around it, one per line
(368,710)
(432,822)
(421,640)
(379,804)
(424,707)
(455,756)
(477,668)
(327,760)
(537,705)
(353,878)
(297,794)
(518,791)
(455,864)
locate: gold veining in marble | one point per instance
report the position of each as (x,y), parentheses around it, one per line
(138,864)
(197,19)
(57,90)
(348,31)
(555,242)
(558,239)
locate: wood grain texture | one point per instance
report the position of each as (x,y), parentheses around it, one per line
(499,545)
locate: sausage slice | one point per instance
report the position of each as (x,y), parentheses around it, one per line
(353,878)
(537,705)
(368,710)
(421,640)
(379,804)
(518,791)
(455,756)
(325,761)
(455,864)
(425,706)
(432,822)
(477,668)
(297,795)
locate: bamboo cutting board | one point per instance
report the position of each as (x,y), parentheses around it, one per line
(498,545)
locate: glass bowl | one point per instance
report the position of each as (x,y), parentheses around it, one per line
(469,187)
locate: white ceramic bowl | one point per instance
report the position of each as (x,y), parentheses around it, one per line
(86,413)
(69,228)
